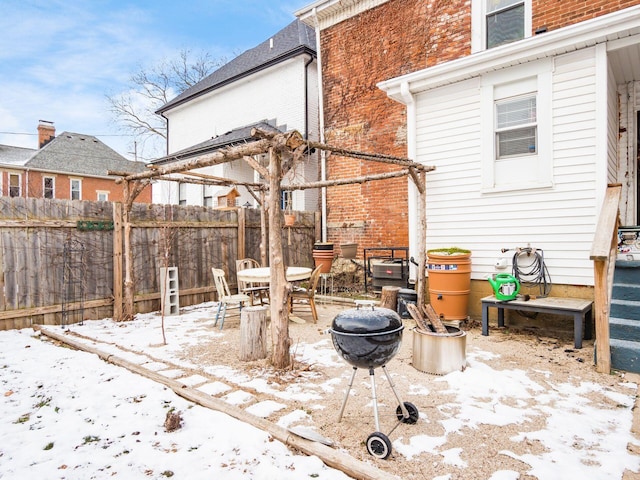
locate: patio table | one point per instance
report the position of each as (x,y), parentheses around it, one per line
(263,274)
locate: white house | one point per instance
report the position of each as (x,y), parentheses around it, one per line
(273,85)
(575,93)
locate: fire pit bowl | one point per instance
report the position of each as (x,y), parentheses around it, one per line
(367,337)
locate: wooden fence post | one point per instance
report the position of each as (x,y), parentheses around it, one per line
(117,261)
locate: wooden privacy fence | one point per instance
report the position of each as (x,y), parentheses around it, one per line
(57,257)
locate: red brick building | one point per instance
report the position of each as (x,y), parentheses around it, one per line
(68,166)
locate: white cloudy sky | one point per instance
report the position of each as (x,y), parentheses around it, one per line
(60,58)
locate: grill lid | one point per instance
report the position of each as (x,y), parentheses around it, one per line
(366,320)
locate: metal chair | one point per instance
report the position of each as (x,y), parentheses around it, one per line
(225,298)
(308,294)
(259,291)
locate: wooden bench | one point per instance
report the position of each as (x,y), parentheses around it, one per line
(579,308)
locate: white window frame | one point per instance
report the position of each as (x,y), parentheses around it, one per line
(518,172)
(53,186)
(182,193)
(479,23)
(9,186)
(103,193)
(73,181)
(207,196)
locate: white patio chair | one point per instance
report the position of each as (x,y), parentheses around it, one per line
(256,291)
(225,298)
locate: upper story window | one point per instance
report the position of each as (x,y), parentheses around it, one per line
(505,21)
(76,189)
(14,184)
(48,187)
(498,22)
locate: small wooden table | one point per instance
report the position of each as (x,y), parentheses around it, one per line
(579,308)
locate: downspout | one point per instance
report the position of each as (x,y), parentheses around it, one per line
(306,98)
(323,158)
(413,194)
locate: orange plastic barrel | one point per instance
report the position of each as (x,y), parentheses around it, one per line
(449,284)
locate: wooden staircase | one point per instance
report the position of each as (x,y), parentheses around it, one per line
(624,317)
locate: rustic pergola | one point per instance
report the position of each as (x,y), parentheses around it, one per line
(285,151)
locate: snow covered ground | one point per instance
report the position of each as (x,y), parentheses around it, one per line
(66,414)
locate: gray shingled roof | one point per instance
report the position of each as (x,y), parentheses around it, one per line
(294,39)
(233,137)
(75,153)
(15,155)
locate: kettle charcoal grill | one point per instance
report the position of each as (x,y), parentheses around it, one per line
(368,337)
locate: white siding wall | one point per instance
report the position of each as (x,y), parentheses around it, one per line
(560,219)
(276,94)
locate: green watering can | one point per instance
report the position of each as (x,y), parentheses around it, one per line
(505,286)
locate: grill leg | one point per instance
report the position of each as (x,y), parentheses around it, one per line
(405,412)
(375,398)
(346,395)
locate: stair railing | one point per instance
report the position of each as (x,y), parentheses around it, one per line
(603,253)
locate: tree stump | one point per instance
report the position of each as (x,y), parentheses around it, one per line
(253,333)
(389,297)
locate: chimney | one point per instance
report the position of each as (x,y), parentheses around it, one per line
(46,132)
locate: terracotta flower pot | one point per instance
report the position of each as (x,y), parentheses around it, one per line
(289,219)
(349,250)
(323,256)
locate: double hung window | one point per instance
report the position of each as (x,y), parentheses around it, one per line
(76,189)
(505,21)
(48,187)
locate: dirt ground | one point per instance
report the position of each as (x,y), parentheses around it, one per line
(541,357)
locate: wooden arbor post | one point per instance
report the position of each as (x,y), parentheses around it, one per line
(279,288)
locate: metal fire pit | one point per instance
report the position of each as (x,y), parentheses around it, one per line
(369,337)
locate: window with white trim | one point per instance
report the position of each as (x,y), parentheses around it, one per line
(182,194)
(207,196)
(505,22)
(516,130)
(516,126)
(286,201)
(102,195)
(76,189)
(48,187)
(498,22)
(15,182)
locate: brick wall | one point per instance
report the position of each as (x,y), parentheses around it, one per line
(555,14)
(398,37)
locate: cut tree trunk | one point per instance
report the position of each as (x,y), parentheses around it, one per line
(253,334)
(389,297)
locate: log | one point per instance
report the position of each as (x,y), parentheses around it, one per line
(434,318)
(333,458)
(253,333)
(389,298)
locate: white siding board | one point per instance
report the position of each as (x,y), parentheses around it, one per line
(560,220)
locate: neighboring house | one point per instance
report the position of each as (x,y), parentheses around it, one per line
(69,166)
(274,86)
(527,109)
